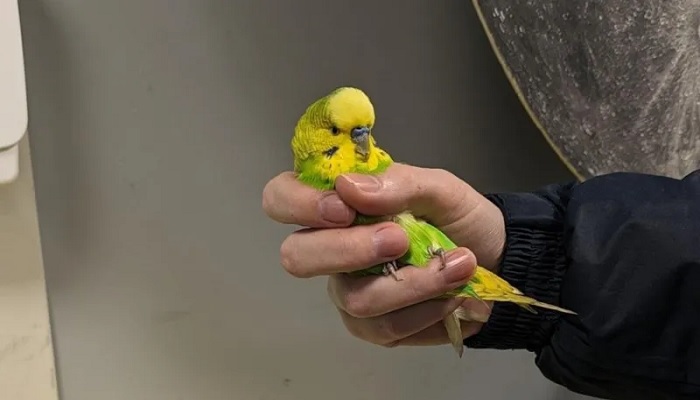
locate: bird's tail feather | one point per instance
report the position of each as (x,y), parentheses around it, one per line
(521,300)
(548,307)
(454,332)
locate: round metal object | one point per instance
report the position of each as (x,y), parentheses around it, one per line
(614,85)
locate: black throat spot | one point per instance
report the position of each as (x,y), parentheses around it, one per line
(330,152)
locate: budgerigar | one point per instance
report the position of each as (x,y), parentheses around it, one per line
(334,137)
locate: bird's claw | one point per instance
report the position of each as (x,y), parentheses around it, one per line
(439,252)
(391,268)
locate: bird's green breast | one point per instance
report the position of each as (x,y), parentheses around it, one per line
(321,170)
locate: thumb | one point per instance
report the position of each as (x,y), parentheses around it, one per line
(434,194)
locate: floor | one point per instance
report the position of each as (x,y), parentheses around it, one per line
(26,352)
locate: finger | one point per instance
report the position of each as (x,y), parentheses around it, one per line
(389,328)
(404,187)
(436,335)
(289,201)
(314,252)
(371,296)
(475,310)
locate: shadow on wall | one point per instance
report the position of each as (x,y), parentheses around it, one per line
(51,73)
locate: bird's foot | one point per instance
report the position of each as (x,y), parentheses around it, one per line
(391,268)
(438,252)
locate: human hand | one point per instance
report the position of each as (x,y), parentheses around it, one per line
(377,309)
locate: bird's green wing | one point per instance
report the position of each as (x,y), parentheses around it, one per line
(424,240)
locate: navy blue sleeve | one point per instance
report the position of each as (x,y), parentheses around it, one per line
(623,251)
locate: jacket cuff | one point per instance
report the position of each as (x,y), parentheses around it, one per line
(534,261)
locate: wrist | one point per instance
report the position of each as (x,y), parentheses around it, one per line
(533,260)
(492,236)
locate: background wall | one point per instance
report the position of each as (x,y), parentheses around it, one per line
(154,127)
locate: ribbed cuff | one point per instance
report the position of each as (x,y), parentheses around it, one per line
(534,261)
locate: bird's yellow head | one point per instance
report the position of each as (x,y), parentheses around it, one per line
(336,131)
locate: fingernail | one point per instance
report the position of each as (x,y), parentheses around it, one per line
(457,270)
(334,210)
(365,183)
(390,242)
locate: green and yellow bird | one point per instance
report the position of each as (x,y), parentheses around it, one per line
(334,137)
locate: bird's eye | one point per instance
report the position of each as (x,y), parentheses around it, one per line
(335,130)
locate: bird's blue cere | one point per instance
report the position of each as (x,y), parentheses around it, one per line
(359,132)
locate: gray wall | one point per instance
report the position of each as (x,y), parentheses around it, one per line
(155,124)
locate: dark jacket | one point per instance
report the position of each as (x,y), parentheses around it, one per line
(623,251)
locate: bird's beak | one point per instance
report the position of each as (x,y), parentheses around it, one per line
(360,136)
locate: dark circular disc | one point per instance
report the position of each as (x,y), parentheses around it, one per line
(614,85)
